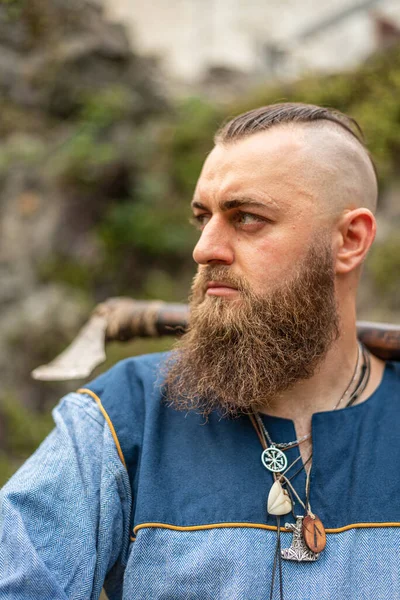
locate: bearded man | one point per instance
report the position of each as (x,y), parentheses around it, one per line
(152,484)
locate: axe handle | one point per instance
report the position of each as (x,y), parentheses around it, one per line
(129,318)
(149,319)
(382,339)
(172,319)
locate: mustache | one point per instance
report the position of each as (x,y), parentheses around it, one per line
(218,273)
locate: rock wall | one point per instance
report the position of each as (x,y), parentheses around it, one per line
(72,91)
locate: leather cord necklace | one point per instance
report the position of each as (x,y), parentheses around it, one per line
(309,537)
(273,457)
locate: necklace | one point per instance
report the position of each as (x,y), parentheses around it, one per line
(273,457)
(309,536)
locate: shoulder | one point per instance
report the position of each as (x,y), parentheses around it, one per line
(131,375)
(391,378)
(385,399)
(392,372)
(127,394)
(396,367)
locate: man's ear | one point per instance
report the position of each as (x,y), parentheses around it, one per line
(355,234)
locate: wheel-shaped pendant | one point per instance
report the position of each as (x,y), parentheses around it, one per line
(274,459)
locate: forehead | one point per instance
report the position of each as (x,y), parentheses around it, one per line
(274,163)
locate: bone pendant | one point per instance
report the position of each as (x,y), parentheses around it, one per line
(279,502)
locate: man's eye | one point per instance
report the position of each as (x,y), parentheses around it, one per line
(239,219)
(248,218)
(200,221)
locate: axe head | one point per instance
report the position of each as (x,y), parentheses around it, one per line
(85,353)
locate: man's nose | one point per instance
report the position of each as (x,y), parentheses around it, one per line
(214,244)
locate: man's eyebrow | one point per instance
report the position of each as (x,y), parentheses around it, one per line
(235,203)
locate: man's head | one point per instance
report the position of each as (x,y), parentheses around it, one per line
(285,206)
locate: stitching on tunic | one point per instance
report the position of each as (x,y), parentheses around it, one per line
(255,526)
(86,404)
(107,418)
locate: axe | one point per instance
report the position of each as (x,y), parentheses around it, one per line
(123,319)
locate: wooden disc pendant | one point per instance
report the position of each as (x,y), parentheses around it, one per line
(314,533)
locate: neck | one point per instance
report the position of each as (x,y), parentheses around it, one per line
(323,391)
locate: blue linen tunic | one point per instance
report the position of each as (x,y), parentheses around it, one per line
(185,516)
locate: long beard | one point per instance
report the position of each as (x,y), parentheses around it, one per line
(239,355)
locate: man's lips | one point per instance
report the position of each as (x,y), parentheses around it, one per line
(216,284)
(220,288)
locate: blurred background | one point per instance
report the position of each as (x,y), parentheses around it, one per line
(108,109)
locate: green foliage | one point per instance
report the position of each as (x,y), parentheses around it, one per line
(81,160)
(67,270)
(191,138)
(6,467)
(159,284)
(107,106)
(23,430)
(384,268)
(155,232)
(13,7)
(23,150)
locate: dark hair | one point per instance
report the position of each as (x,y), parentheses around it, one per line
(265,117)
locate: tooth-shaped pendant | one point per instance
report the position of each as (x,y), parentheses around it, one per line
(279,502)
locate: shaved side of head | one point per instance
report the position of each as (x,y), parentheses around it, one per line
(337,165)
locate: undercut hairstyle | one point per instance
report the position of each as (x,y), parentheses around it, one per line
(285,113)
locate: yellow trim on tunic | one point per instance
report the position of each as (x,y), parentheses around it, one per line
(107,418)
(253,526)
